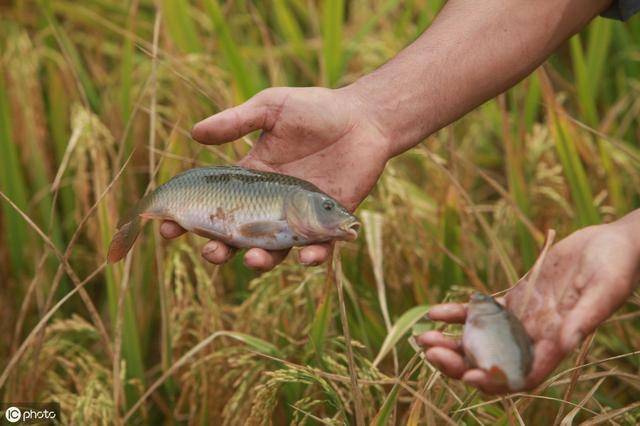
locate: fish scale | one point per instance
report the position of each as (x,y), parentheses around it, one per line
(259,203)
(242,207)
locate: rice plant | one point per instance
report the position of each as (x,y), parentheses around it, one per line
(96,102)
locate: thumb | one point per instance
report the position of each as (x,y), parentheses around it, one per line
(602,297)
(233,123)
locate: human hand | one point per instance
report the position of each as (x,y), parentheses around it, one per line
(583,280)
(321,135)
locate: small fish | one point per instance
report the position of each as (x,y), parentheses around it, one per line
(241,207)
(495,341)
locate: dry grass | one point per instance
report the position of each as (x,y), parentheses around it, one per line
(96,99)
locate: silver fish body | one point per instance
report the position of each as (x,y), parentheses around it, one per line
(495,340)
(243,208)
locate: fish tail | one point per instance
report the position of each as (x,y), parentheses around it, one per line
(128,230)
(497,374)
(123,240)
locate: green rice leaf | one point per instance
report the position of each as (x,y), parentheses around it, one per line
(332,54)
(181,26)
(383,416)
(399,329)
(248,84)
(256,343)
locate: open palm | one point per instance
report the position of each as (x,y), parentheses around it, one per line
(583,280)
(321,135)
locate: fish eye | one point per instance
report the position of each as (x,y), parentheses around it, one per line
(328,205)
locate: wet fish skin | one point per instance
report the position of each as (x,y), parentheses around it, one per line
(496,341)
(241,207)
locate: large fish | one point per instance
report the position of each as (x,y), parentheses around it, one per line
(495,341)
(243,208)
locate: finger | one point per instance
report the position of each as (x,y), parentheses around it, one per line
(264,260)
(315,254)
(437,339)
(170,229)
(449,362)
(546,357)
(455,313)
(236,122)
(217,252)
(596,304)
(482,380)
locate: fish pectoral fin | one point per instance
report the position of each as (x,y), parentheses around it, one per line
(497,374)
(262,229)
(212,235)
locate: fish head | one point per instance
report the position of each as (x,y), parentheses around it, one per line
(315,215)
(483,304)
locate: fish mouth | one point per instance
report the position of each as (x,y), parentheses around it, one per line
(351,230)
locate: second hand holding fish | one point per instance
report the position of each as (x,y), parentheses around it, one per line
(584,278)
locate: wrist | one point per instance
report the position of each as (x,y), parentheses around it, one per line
(631,227)
(380,107)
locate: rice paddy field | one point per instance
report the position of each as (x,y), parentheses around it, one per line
(96,102)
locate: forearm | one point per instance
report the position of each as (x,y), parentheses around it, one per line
(472,52)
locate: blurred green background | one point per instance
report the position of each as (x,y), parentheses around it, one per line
(96,102)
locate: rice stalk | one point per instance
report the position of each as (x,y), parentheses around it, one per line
(357,396)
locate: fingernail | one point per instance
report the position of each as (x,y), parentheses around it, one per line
(210,248)
(251,257)
(307,260)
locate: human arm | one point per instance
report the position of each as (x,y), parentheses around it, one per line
(341,139)
(583,280)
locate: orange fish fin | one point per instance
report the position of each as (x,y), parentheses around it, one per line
(497,375)
(128,228)
(123,240)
